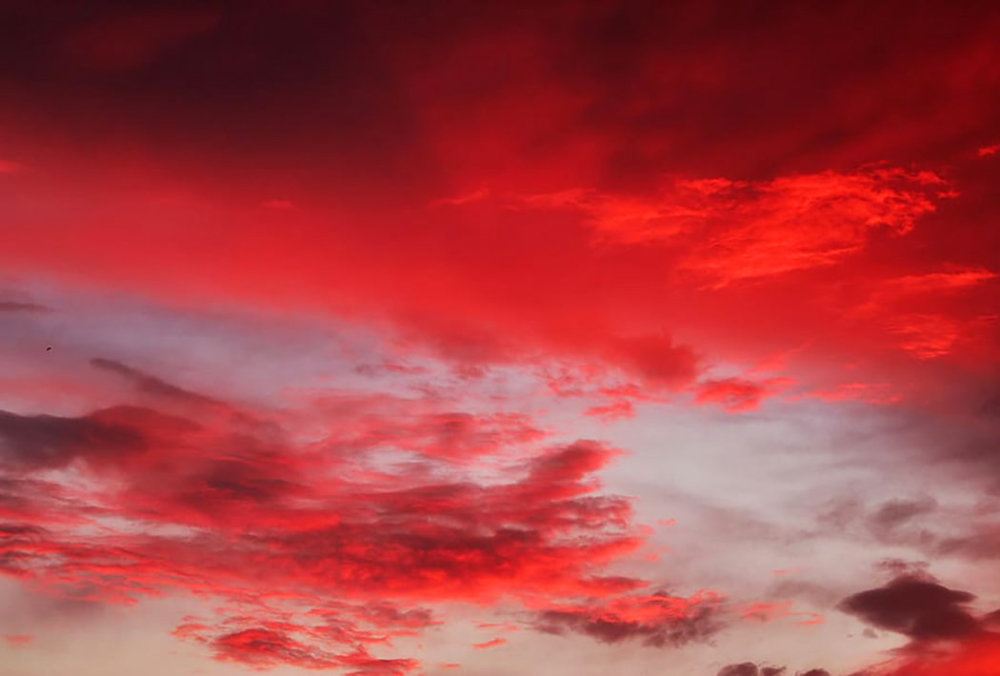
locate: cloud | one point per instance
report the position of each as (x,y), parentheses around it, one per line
(737,395)
(933,282)
(151,384)
(45,440)
(893,513)
(14,306)
(616,410)
(450,434)
(977,544)
(635,196)
(751,669)
(265,648)
(972,657)
(260,647)
(622,228)
(946,638)
(656,359)
(740,230)
(798,222)
(916,607)
(658,620)
(869,393)
(919,523)
(18,640)
(349,543)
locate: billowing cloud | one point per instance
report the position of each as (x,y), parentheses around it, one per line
(328,517)
(743,230)
(946,636)
(915,607)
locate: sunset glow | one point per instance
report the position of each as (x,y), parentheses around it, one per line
(567,338)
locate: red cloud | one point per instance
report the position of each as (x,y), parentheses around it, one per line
(18,639)
(622,408)
(265,648)
(799,222)
(276,525)
(656,619)
(738,230)
(871,393)
(976,657)
(736,395)
(769,611)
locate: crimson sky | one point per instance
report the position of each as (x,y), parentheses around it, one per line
(395,338)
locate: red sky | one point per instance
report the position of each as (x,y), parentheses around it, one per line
(385,338)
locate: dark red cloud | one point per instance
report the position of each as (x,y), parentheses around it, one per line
(44,440)
(946,636)
(657,619)
(915,607)
(751,669)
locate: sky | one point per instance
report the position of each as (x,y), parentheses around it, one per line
(392,338)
